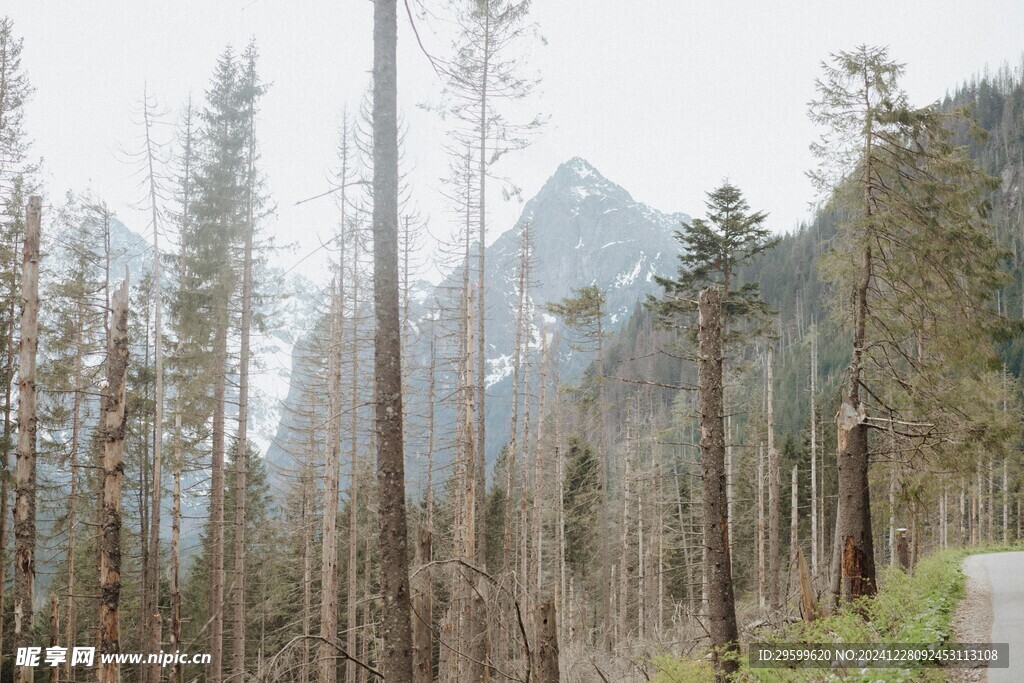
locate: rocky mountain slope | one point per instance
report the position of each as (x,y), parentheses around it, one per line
(585,229)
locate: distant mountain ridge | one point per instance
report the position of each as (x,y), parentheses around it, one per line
(585,229)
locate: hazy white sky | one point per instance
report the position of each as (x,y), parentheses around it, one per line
(664,97)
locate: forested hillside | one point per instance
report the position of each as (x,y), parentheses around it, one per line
(604,443)
(963,487)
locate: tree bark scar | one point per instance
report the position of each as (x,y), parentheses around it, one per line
(853,569)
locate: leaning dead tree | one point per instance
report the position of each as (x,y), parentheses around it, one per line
(25,468)
(112,431)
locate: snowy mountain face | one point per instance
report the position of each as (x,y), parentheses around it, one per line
(584,230)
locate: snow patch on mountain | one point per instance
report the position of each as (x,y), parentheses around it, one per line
(624,279)
(500,368)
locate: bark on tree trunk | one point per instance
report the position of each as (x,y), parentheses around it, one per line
(352,570)
(524,595)
(854,544)
(307,543)
(538,481)
(892,516)
(151,674)
(25,467)
(546,643)
(794,530)
(560,513)
(717,567)
(774,493)
(242,441)
(423,607)
(762,574)
(814,452)
(217,506)
(54,635)
(178,670)
(76,416)
(395,624)
(622,598)
(1006,503)
(729,487)
(857,563)
(6,456)
(471,628)
(513,441)
(112,431)
(329,556)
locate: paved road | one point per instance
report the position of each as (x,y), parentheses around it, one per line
(1004,574)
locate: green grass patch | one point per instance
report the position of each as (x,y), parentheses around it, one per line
(908,609)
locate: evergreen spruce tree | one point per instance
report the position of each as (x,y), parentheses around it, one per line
(17,184)
(210,271)
(69,377)
(712,252)
(15,90)
(914,265)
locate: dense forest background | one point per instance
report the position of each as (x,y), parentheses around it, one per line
(556,471)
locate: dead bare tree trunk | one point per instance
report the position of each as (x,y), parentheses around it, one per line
(523,578)
(962,517)
(307,543)
(422,625)
(242,441)
(774,486)
(808,599)
(538,480)
(395,623)
(6,457)
(814,452)
(54,635)
(794,531)
(622,597)
(470,620)
(563,592)
(944,517)
(25,467)
(762,574)
(112,432)
(76,424)
(152,589)
(892,516)
(989,513)
(717,565)
(178,670)
(513,440)
(329,558)
(483,164)
(641,574)
(545,648)
(220,356)
(1006,503)
(424,616)
(352,570)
